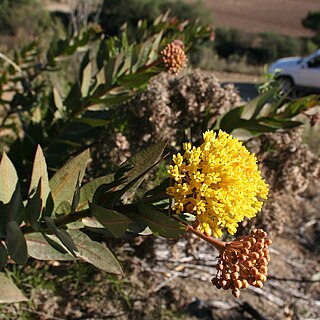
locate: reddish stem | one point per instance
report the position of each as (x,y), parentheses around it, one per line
(218,244)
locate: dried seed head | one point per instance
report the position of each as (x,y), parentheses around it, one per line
(245,261)
(174,57)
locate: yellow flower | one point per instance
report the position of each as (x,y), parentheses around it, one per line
(219,182)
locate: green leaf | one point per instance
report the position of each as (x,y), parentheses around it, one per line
(130,175)
(88,190)
(158,193)
(92,121)
(9,292)
(95,253)
(16,243)
(155,48)
(159,223)
(3,256)
(63,183)
(63,209)
(39,171)
(8,179)
(231,120)
(116,223)
(34,208)
(62,235)
(58,101)
(76,197)
(136,80)
(140,163)
(39,248)
(86,79)
(261,101)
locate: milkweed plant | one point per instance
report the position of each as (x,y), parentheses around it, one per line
(209,190)
(219,183)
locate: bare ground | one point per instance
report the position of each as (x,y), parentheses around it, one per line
(278,16)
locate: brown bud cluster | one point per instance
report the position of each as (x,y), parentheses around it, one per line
(174,57)
(243,262)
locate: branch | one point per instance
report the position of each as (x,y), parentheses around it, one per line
(59,222)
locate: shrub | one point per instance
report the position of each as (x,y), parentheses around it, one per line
(312,21)
(113,15)
(21,21)
(258,48)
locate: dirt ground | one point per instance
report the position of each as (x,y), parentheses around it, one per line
(279,16)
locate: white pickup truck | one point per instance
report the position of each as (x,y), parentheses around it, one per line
(298,72)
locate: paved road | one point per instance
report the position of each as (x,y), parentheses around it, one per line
(247,90)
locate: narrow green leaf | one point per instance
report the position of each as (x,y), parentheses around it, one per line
(58,101)
(262,101)
(86,79)
(34,208)
(16,243)
(159,223)
(3,256)
(140,162)
(8,179)
(231,120)
(88,190)
(116,223)
(155,48)
(95,123)
(9,292)
(39,171)
(40,248)
(76,197)
(95,253)
(63,183)
(62,235)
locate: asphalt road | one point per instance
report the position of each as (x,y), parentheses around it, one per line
(247,90)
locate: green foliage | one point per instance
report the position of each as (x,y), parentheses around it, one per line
(258,48)
(63,118)
(27,15)
(113,14)
(269,112)
(63,236)
(312,21)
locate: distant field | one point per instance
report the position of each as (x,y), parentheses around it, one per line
(279,16)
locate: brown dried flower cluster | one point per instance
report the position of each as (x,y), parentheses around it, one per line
(174,57)
(162,112)
(243,262)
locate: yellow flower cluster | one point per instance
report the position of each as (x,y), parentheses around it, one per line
(219,182)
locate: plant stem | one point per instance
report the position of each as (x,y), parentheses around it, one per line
(218,244)
(61,221)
